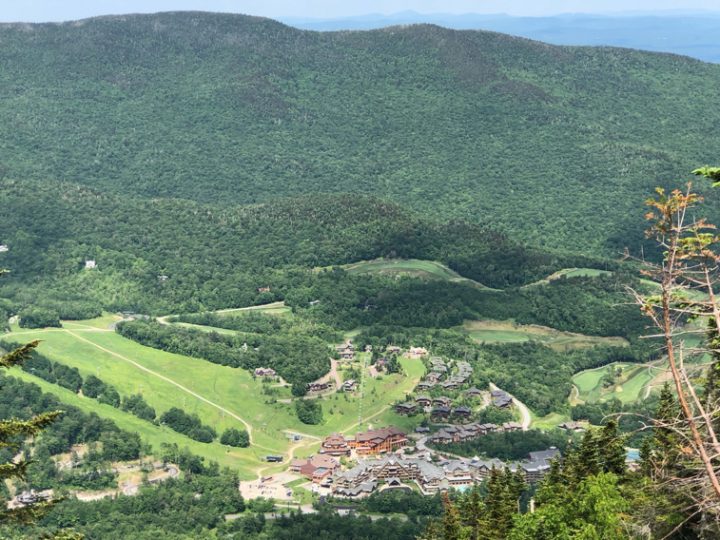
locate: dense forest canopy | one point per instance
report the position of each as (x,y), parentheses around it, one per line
(169,255)
(555,144)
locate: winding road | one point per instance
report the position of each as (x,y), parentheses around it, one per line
(526,417)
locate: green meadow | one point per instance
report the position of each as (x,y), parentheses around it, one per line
(222,396)
(491,331)
(410,267)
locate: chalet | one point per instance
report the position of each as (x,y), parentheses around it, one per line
(393,349)
(264,372)
(349,386)
(442,400)
(511,426)
(440,412)
(426,385)
(317,468)
(441,437)
(346,351)
(423,401)
(263,289)
(571,426)
(450,385)
(538,464)
(463,412)
(487,428)
(501,399)
(405,408)
(318,386)
(90,264)
(335,445)
(473,392)
(378,441)
(422,429)
(380,363)
(417,352)
(440,368)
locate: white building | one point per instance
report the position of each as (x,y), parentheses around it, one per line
(90,263)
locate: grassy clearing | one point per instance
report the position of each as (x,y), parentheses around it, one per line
(570,273)
(628,387)
(216,393)
(241,460)
(489,331)
(422,269)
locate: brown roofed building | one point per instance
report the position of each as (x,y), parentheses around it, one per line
(378,441)
(335,445)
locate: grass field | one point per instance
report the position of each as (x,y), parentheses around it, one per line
(570,273)
(410,267)
(630,386)
(489,331)
(222,396)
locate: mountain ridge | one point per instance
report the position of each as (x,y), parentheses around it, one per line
(230,109)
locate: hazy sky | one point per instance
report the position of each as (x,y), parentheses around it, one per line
(59,10)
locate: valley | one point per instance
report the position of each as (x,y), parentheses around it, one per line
(400,280)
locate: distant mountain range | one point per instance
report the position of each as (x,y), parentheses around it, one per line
(695,34)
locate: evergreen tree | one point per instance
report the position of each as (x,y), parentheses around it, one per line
(12,434)
(611,448)
(452,527)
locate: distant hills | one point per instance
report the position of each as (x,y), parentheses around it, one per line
(558,146)
(694,34)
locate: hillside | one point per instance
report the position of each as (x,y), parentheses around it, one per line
(557,145)
(172,255)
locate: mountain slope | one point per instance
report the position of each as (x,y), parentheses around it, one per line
(557,145)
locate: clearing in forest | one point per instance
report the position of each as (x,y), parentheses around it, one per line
(422,269)
(491,331)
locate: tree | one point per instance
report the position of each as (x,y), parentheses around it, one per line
(235,437)
(687,276)
(309,411)
(12,434)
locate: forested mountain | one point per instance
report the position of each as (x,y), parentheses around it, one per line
(171,255)
(558,145)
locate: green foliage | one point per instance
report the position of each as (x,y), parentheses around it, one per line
(138,406)
(188,424)
(309,411)
(276,111)
(508,446)
(298,358)
(235,437)
(39,318)
(593,511)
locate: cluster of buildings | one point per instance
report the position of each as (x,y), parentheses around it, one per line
(439,375)
(393,472)
(346,351)
(455,433)
(367,443)
(265,372)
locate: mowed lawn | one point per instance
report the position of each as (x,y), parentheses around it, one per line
(629,387)
(93,349)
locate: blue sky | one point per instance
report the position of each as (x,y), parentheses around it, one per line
(58,10)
